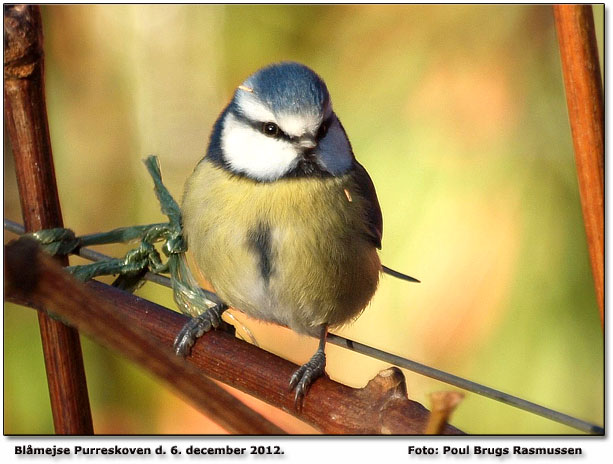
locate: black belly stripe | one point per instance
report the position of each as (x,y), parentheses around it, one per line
(259,241)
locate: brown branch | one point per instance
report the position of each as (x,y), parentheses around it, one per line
(26,122)
(112,317)
(578,49)
(32,278)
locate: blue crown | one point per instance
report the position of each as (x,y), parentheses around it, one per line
(289,87)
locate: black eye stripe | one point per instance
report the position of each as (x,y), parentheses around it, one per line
(259,126)
(278,134)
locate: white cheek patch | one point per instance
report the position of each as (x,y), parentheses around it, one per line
(253,153)
(253,109)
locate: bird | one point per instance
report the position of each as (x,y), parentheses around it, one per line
(280,217)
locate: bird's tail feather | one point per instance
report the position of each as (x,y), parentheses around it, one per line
(398,275)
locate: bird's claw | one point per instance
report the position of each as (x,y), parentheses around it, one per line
(196,327)
(306,375)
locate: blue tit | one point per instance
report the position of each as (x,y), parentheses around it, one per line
(281,219)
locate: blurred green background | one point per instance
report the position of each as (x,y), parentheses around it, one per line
(458,113)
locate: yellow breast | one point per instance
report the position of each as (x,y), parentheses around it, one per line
(322,269)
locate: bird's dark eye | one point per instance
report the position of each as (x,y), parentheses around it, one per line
(322,131)
(270,129)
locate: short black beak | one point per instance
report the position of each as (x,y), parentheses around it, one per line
(308,154)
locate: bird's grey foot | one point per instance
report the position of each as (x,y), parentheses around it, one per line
(197,327)
(307,374)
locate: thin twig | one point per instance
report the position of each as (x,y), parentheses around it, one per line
(396,360)
(578,49)
(26,122)
(443,403)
